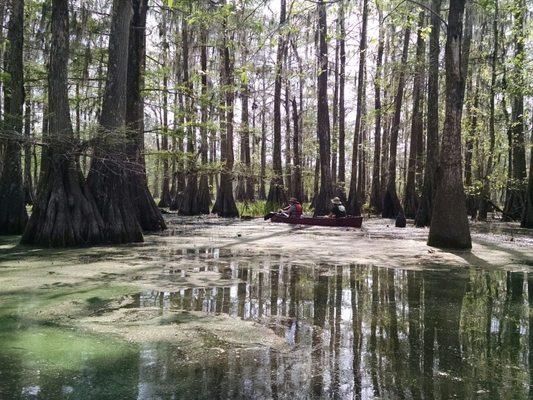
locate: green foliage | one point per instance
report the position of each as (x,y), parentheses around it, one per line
(252,209)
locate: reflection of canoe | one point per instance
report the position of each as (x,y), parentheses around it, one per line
(352,222)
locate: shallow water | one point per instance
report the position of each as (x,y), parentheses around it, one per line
(352,331)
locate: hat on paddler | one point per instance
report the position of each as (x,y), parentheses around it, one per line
(336,200)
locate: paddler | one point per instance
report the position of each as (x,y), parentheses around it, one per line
(337,208)
(293,210)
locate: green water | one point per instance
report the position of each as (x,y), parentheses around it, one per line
(352,332)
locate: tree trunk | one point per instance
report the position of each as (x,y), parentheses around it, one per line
(165,199)
(225,203)
(391,203)
(29,194)
(485,191)
(335,130)
(288,165)
(516,188)
(245,186)
(13,217)
(297,164)
(107,178)
(425,208)
(354,206)
(361,173)
(322,200)
(204,195)
(189,205)
(449,225)
(277,196)
(375,192)
(3,13)
(65,213)
(472,199)
(240,190)
(417,125)
(527,215)
(181,184)
(262,171)
(146,210)
(341,178)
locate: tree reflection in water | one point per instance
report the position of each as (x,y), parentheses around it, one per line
(354,331)
(362,332)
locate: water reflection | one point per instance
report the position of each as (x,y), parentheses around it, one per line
(354,332)
(364,332)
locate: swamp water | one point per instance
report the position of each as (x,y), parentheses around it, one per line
(350,331)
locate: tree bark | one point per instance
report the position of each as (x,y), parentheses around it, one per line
(297,163)
(65,213)
(13,217)
(245,185)
(288,165)
(262,170)
(225,203)
(425,208)
(516,188)
(189,205)
(417,125)
(375,192)
(391,203)
(277,196)
(527,215)
(335,128)
(354,206)
(107,178)
(3,13)
(341,178)
(166,199)
(449,225)
(29,194)
(204,195)
(322,201)
(485,191)
(146,210)
(472,199)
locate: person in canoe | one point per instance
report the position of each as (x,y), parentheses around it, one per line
(293,210)
(337,209)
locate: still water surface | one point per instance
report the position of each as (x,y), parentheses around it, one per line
(351,331)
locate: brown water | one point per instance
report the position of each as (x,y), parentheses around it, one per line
(352,331)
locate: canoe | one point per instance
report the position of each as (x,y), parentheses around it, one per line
(351,222)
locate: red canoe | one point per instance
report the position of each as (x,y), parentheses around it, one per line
(352,222)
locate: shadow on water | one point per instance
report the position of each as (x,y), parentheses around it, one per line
(352,332)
